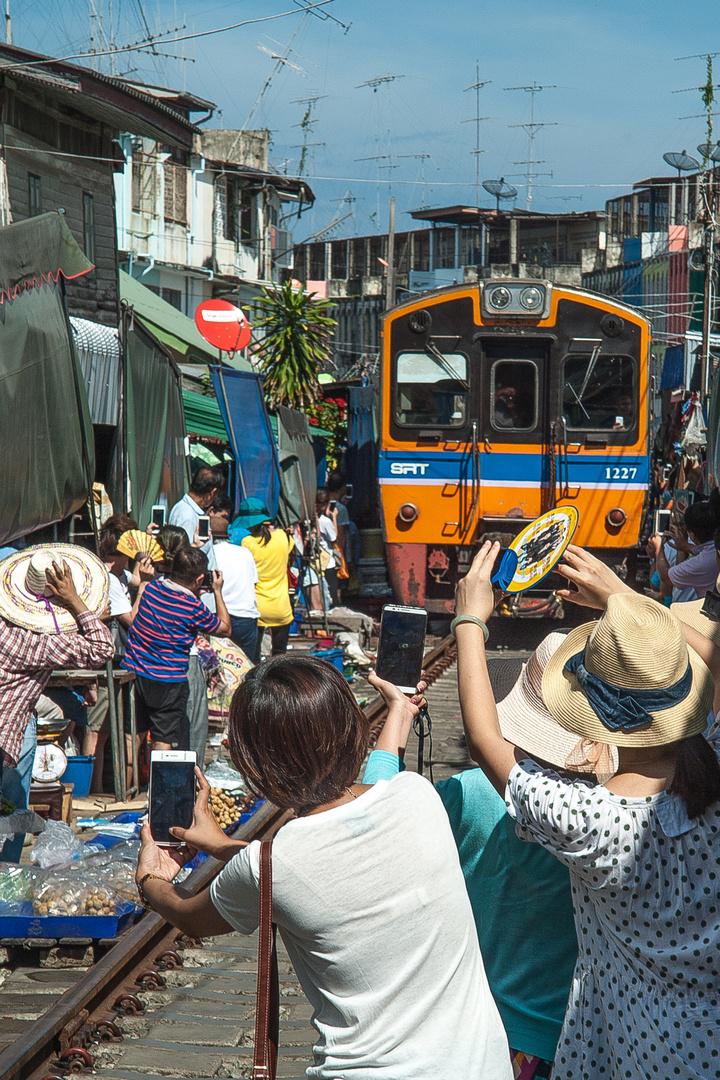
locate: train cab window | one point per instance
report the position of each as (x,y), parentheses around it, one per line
(599,392)
(514,389)
(431,390)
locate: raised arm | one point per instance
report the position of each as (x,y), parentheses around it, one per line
(474,597)
(402,711)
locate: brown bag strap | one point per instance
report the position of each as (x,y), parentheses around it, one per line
(267,1009)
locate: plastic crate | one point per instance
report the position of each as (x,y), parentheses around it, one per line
(28,925)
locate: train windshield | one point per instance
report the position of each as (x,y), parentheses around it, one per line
(431,389)
(598,392)
(514,395)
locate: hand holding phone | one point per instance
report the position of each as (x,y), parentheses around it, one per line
(203,529)
(401,646)
(157,516)
(171,795)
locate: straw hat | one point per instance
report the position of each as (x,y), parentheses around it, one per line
(636,649)
(691,613)
(26,599)
(252,512)
(526,722)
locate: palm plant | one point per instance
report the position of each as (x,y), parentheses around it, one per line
(296,329)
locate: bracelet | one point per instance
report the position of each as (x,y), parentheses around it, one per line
(472,619)
(141,890)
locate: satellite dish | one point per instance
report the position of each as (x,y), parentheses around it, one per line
(500,190)
(682,162)
(710,151)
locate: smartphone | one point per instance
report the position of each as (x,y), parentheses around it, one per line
(204,527)
(171,795)
(208,579)
(333,504)
(157,515)
(402,646)
(348,491)
(662,521)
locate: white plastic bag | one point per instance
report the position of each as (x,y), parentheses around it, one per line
(58,844)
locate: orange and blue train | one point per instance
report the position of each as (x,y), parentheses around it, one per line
(502,400)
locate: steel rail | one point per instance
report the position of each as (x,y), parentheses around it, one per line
(35,1048)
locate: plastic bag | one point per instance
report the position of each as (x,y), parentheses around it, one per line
(56,845)
(68,893)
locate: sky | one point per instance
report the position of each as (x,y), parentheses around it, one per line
(609,69)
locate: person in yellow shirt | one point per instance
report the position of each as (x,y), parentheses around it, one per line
(271,549)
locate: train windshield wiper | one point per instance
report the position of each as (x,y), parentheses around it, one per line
(594,355)
(433,351)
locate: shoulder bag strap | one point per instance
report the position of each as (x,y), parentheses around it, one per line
(267,1009)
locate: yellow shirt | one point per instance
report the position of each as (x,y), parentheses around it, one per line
(271,590)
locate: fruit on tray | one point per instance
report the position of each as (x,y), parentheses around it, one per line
(224,807)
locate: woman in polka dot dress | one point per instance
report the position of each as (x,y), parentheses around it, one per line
(643,850)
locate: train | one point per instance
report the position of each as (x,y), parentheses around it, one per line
(500,401)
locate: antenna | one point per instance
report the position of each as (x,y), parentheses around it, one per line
(379,80)
(477,87)
(710,151)
(375,83)
(321,13)
(280,61)
(682,162)
(564,199)
(707,95)
(422,159)
(532,129)
(307,125)
(500,190)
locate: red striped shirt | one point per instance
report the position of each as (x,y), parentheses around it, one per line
(163,631)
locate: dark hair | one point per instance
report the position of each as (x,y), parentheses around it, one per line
(322,496)
(107,548)
(261,531)
(187,566)
(697,775)
(296,732)
(119,523)
(205,480)
(222,502)
(171,538)
(701,521)
(335,480)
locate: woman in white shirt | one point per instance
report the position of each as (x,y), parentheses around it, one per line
(368,893)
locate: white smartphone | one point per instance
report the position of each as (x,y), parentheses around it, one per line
(401,646)
(171,794)
(157,515)
(204,527)
(663,519)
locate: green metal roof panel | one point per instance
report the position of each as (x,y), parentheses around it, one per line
(202,416)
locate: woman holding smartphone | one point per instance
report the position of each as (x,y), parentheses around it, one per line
(368,893)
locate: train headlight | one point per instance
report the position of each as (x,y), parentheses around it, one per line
(499,298)
(616,517)
(532,299)
(408,513)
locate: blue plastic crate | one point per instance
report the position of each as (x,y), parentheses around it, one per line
(28,925)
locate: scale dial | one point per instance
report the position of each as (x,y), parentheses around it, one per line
(50,763)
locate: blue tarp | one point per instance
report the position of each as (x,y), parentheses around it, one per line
(673,374)
(361,458)
(242,405)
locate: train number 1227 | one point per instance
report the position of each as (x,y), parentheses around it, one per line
(620,473)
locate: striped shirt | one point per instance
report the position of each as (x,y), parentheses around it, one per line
(27,660)
(163,631)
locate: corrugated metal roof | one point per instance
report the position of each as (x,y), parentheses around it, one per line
(98,350)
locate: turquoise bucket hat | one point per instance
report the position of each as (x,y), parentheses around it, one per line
(252,512)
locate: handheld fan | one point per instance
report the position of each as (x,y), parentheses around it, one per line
(135,542)
(534,552)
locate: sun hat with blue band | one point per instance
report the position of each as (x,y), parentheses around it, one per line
(629,679)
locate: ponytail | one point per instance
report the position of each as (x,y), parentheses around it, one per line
(697,775)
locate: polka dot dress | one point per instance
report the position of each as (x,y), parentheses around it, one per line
(645,996)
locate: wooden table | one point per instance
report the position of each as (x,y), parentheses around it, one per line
(119,699)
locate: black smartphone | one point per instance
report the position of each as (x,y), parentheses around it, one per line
(207,582)
(333,504)
(662,521)
(401,646)
(158,515)
(349,490)
(204,527)
(171,795)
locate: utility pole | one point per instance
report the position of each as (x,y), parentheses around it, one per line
(477,87)
(532,129)
(390,279)
(8,23)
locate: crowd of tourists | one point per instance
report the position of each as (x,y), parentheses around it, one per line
(554,912)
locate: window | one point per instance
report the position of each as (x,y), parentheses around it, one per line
(599,392)
(339,249)
(34,195)
(431,391)
(144,184)
(89,226)
(514,389)
(175,192)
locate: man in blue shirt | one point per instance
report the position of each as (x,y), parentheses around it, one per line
(204,486)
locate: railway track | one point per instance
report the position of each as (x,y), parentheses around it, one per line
(83,1013)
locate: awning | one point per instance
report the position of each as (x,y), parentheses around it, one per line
(171,327)
(203,416)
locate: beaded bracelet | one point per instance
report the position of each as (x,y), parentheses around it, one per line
(472,619)
(141,890)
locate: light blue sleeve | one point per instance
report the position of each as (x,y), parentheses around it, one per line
(382,765)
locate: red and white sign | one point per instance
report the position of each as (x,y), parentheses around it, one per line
(223,325)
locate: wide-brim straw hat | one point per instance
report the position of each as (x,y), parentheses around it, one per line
(690,612)
(637,644)
(252,512)
(25,598)
(526,721)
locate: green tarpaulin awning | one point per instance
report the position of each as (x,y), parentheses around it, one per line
(202,416)
(171,327)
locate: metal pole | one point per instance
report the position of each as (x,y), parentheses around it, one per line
(390,279)
(8,23)
(708,291)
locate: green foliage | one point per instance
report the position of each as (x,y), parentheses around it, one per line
(295,344)
(708,98)
(331,415)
